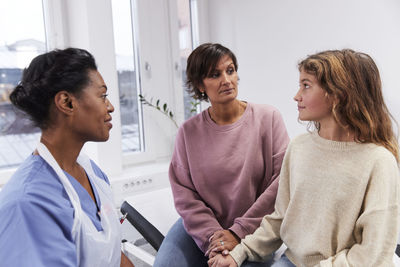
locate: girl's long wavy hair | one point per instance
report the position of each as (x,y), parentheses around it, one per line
(352,80)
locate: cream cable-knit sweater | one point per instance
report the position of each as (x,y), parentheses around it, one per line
(337,205)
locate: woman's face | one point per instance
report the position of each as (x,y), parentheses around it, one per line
(312,101)
(221,85)
(93,118)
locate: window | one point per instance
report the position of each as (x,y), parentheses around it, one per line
(126,50)
(187,17)
(134,30)
(19,43)
(149,48)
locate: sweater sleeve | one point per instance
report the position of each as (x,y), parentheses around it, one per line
(265,202)
(266,239)
(198,219)
(377,226)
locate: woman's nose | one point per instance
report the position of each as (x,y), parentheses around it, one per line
(225,78)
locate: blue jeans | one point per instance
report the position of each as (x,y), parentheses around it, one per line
(179,250)
(283,262)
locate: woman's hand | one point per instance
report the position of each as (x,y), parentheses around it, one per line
(222,261)
(222,241)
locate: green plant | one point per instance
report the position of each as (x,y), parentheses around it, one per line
(164,110)
(194,105)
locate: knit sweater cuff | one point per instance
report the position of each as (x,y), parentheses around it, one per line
(238,254)
(238,230)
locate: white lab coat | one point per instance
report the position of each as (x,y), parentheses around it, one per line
(94,248)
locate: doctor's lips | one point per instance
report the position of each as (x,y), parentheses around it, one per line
(108,122)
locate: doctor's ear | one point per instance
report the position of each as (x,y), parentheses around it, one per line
(64,102)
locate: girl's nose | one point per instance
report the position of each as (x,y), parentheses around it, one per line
(297,97)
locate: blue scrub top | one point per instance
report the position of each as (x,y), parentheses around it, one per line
(36,216)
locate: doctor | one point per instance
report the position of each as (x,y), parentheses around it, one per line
(57,208)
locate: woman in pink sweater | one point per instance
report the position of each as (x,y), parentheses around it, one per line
(225,167)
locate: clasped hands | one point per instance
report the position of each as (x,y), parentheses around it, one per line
(221,242)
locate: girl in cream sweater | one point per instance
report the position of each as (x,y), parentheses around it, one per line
(338,196)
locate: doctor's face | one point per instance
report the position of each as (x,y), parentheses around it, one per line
(93,116)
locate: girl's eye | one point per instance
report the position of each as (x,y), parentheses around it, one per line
(306,86)
(104,96)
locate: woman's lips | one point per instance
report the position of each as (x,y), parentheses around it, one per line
(227,91)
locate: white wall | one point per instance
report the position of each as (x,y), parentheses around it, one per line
(270,37)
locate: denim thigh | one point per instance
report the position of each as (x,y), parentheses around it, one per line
(178,249)
(283,262)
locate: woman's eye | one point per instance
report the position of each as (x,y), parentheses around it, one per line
(230,71)
(306,86)
(104,96)
(214,75)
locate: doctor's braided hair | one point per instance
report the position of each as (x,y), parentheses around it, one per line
(48,74)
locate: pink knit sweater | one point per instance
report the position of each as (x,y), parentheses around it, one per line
(226,176)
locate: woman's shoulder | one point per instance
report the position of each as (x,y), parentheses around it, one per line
(193,124)
(265,113)
(264,109)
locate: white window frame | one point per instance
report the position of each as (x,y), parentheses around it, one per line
(76,23)
(55,37)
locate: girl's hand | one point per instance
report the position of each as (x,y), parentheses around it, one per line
(222,241)
(222,261)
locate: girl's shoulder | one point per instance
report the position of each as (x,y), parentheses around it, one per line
(380,155)
(301,139)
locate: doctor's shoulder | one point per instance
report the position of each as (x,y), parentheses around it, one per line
(99,173)
(34,184)
(36,217)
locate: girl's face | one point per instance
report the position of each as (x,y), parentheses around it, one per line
(312,101)
(221,85)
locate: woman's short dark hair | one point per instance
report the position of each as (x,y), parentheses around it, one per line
(48,74)
(201,62)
